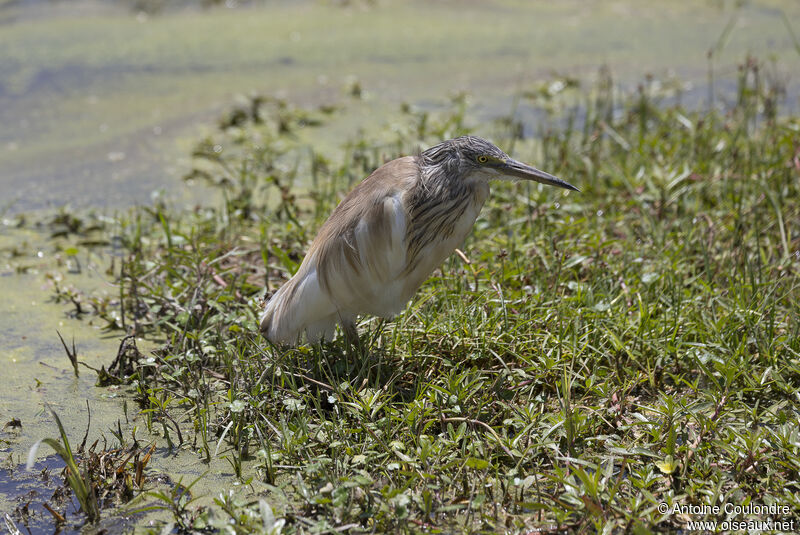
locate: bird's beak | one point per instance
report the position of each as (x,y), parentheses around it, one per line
(520,170)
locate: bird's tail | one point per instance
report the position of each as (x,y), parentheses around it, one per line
(299,305)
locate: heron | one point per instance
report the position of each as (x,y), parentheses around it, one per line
(387,236)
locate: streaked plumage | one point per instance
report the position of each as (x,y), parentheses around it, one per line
(387,236)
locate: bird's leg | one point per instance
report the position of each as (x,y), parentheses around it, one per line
(350,331)
(353,342)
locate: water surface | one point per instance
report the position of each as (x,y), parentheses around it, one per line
(99,104)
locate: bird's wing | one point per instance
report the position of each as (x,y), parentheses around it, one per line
(360,251)
(354,263)
(298,305)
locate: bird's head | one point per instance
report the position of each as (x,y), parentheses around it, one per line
(474,157)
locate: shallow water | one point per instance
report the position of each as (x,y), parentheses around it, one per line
(99,107)
(36,373)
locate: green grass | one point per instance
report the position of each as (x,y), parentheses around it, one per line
(79,481)
(598,354)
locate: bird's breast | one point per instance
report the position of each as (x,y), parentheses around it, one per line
(443,238)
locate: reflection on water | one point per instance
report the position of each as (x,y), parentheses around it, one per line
(30,490)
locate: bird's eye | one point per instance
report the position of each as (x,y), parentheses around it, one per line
(482,159)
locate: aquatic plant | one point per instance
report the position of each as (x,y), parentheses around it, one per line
(582,361)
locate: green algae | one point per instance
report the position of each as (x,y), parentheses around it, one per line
(37,373)
(106,93)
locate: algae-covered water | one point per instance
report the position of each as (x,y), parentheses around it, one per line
(101,103)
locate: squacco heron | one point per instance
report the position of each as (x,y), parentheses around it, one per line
(387,236)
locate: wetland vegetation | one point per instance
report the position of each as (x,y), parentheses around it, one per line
(588,356)
(585,359)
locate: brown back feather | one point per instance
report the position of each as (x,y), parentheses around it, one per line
(335,247)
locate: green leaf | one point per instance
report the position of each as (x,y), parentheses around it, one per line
(477,464)
(668,465)
(290,265)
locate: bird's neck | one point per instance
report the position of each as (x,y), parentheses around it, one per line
(478,186)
